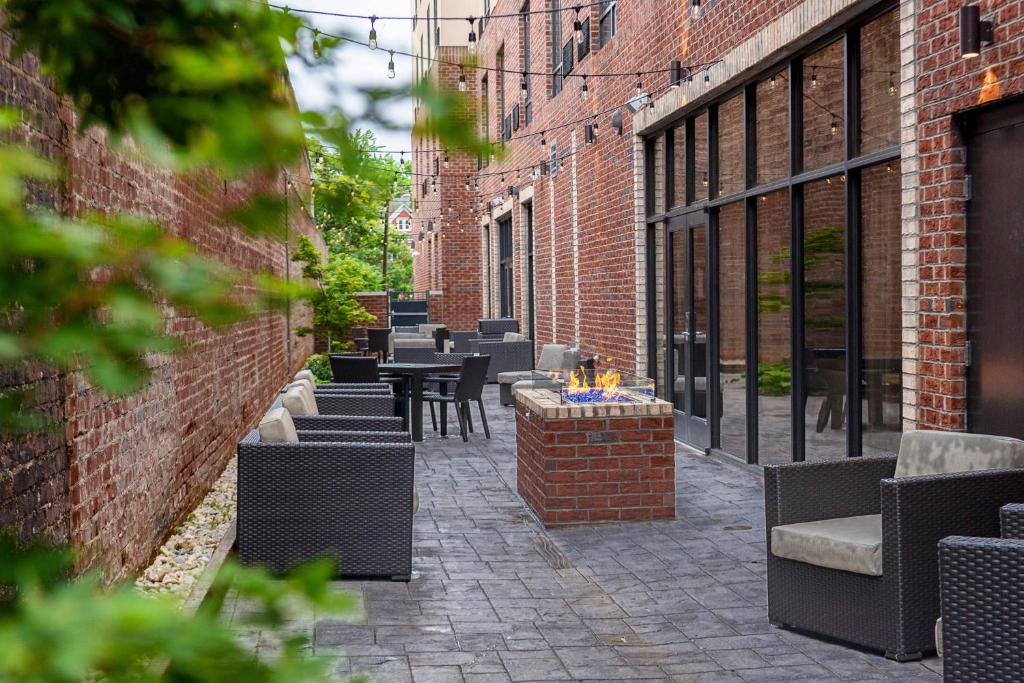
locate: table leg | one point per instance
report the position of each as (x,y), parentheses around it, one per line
(874,392)
(416,407)
(443,390)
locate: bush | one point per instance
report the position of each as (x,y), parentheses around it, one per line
(320,365)
(774,379)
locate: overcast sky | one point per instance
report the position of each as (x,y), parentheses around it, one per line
(327,87)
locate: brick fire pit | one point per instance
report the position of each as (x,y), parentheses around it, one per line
(600,462)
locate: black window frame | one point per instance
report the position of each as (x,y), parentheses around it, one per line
(850,167)
(608,18)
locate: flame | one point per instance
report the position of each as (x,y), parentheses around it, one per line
(605,382)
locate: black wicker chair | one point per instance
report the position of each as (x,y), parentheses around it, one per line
(495,328)
(983,603)
(512,353)
(377,342)
(469,386)
(348,423)
(354,369)
(349,501)
(893,610)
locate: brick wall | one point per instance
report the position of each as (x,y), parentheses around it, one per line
(946,85)
(122,472)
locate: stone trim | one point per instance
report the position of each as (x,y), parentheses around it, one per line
(909,168)
(546,404)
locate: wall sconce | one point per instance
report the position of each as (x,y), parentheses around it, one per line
(675,73)
(617,122)
(974,33)
(513,190)
(588,134)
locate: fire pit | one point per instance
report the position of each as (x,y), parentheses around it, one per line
(597,447)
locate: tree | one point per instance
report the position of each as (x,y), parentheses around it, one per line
(335,308)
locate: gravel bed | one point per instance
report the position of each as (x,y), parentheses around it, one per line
(188,550)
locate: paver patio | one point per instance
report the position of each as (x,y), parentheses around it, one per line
(498,598)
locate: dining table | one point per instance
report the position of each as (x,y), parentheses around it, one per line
(413,375)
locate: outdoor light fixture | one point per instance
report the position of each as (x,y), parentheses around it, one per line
(543,140)
(472,37)
(707,74)
(639,85)
(834,128)
(391,65)
(583,88)
(771,82)
(696,11)
(637,103)
(524,87)
(462,80)
(675,73)
(577,26)
(372,42)
(446,158)
(814,77)
(617,122)
(704,179)
(974,33)
(588,134)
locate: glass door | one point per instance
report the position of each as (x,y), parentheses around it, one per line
(687,345)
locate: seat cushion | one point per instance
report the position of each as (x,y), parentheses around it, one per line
(551,357)
(853,544)
(414,343)
(296,402)
(513,337)
(305,374)
(427,329)
(513,376)
(277,425)
(930,452)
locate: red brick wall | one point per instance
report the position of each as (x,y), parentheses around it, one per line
(376,304)
(123,472)
(946,85)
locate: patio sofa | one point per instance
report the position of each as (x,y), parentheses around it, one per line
(852,543)
(513,352)
(304,495)
(555,360)
(494,329)
(982,628)
(302,400)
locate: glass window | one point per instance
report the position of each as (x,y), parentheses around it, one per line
(880,305)
(731,165)
(659,175)
(774,374)
(677,240)
(679,166)
(773,128)
(732,327)
(607,21)
(879,83)
(700,158)
(825,318)
(823,107)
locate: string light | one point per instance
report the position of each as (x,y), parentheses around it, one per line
(696,11)
(892,83)
(391,65)
(639,85)
(771,82)
(472,36)
(372,41)
(446,159)
(835,126)
(707,75)
(814,77)
(524,87)
(543,140)
(462,80)
(583,88)
(704,179)
(577,26)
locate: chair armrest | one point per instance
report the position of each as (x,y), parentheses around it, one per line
(810,491)
(349,404)
(347,423)
(354,436)
(982,602)
(1011,520)
(507,357)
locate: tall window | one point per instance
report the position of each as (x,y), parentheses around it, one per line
(607,22)
(485,111)
(524,29)
(556,47)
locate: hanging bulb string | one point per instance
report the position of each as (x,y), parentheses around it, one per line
(489,17)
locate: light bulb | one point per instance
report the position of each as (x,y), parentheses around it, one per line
(577,27)
(583,88)
(814,77)
(523,87)
(696,11)
(835,126)
(471,40)
(704,179)
(771,83)
(462,82)
(373,34)
(391,65)
(892,83)
(639,85)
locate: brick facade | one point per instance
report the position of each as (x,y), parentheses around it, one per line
(122,472)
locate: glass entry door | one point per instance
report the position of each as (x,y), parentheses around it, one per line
(687,345)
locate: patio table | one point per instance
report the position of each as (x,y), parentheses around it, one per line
(413,374)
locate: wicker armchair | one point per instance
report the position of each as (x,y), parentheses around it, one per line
(495,328)
(851,544)
(983,603)
(513,352)
(460,340)
(329,497)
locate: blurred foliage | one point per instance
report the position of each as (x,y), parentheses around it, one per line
(320,365)
(59,631)
(335,308)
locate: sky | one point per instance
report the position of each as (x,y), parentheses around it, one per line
(336,85)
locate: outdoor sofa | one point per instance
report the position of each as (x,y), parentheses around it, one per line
(305,495)
(555,361)
(513,352)
(982,628)
(852,544)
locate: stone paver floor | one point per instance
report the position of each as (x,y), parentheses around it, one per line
(500,599)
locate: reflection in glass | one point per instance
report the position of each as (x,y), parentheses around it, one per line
(774,374)
(879,83)
(823,107)
(679,326)
(659,175)
(824,289)
(880,302)
(700,158)
(700,322)
(773,128)
(679,168)
(732,328)
(731,165)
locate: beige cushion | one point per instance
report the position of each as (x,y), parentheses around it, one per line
(551,357)
(930,452)
(305,374)
(296,402)
(277,425)
(416,343)
(513,337)
(853,544)
(308,392)
(427,329)
(938,637)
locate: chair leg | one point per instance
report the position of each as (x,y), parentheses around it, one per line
(483,418)
(469,415)
(433,415)
(462,422)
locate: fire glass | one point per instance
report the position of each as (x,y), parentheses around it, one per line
(586,385)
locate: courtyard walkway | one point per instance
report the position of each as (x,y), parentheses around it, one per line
(498,598)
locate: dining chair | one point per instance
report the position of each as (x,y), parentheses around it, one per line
(377,342)
(469,386)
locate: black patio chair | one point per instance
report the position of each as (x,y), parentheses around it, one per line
(468,387)
(377,341)
(354,369)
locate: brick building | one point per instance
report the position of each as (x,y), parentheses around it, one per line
(743,226)
(122,472)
